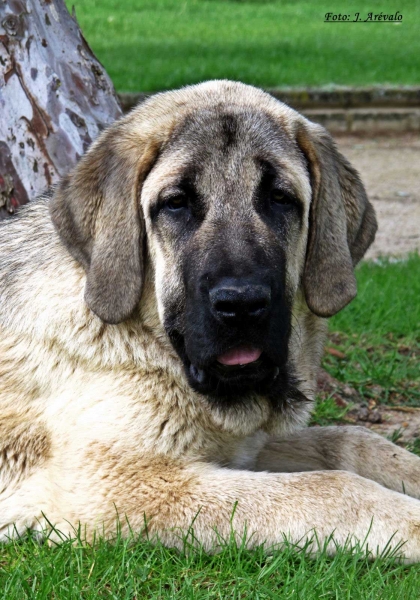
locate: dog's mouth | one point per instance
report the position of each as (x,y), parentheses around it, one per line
(237,371)
(241,362)
(231,372)
(239,356)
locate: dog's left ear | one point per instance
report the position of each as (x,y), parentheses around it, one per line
(342,223)
(96,211)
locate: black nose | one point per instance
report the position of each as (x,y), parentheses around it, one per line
(233,299)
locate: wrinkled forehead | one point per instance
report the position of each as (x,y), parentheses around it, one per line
(223,149)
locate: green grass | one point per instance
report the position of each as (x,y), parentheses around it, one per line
(379,333)
(129,570)
(371,332)
(149,45)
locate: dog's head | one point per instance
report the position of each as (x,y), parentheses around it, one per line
(239,203)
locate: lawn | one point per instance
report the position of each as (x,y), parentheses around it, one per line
(132,571)
(379,334)
(378,337)
(149,45)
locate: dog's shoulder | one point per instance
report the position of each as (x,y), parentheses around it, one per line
(41,285)
(31,254)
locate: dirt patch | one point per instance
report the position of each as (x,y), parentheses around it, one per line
(390,170)
(400,423)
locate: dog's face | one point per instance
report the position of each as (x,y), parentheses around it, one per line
(226,209)
(241,203)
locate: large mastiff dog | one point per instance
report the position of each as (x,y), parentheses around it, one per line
(162,322)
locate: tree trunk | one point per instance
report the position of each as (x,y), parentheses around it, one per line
(55,97)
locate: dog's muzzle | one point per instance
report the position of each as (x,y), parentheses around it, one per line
(236,337)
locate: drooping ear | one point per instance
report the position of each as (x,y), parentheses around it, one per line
(342,223)
(96,211)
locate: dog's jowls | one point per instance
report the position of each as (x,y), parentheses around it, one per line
(162,321)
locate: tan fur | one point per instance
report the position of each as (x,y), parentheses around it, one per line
(23,446)
(98,418)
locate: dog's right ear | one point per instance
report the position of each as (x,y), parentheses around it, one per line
(96,211)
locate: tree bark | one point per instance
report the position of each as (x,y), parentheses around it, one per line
(55,97)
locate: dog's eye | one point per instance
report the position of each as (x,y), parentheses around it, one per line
(177,202)
(281,198)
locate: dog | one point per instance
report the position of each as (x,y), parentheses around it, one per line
(163,314)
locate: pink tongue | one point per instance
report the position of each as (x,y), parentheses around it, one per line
(242,355)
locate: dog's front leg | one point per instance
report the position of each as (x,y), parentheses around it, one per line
(176,499)
(349,448)
(213,501)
